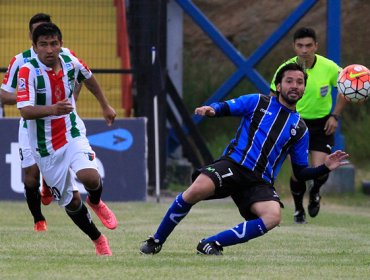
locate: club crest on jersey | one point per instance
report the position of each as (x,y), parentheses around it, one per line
(324,91)
(293,131)
(38,72)
(69,65)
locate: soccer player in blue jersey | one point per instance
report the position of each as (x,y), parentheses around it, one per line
(270,129)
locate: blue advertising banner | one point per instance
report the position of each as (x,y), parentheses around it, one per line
(121,153)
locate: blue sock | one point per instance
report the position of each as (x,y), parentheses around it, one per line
(177,211)
(240,233)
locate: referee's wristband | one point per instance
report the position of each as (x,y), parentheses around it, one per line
(335,116)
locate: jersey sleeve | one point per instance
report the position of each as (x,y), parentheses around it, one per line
(83,71)
(334,74)
(26,88)
(299,150)
(243,105)
(10,81)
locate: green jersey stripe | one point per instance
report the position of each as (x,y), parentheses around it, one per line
(27,53)
(75,132)
(15,78)
(41,139)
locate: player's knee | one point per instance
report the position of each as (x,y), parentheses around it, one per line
(271,219)
(31,182)
(75,203)
(90,178)
(32,177)
(198,191)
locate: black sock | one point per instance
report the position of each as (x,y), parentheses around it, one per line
(317,183)
(81,217)
(298,188)
(33,199)
(95,195)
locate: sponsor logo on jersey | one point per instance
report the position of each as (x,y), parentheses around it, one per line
(22,96)
(265,112)
(41,90)
(22,84)
(26,59)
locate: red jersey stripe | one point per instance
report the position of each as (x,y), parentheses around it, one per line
(58,133)
(57,86)
(6,77)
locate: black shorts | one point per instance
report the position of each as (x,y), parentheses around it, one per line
(319,141)
(244,187)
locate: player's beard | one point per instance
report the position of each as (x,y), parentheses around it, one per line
(288,100)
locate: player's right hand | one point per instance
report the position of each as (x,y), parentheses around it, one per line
(62,107)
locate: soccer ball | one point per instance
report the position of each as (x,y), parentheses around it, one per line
(354,83)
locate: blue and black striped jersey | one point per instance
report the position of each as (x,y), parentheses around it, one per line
(267,133)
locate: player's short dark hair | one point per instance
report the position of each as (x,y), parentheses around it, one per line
(40,17)
(46,29)
(289,67)
(304,32)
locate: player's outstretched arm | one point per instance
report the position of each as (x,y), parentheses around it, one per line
(108,112)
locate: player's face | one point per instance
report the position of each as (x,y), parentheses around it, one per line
(48,49)
(291,88)
(305,48)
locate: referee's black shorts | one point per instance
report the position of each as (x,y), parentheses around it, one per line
(319,141)
(242,184)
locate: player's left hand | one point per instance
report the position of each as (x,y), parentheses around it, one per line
(109,115)
(330,125)
(336,159)
(205,111)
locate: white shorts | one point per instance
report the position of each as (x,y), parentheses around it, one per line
(25,151)
(58,168)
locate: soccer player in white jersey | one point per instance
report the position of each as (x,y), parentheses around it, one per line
(8,96)
(57,135)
